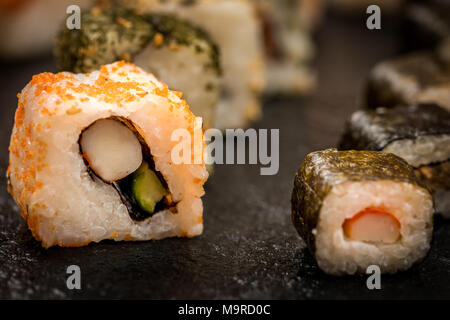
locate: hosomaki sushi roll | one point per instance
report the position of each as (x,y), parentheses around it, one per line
(360,6)
(178,53)
(287,27)
(414,78)
(420,134)
(90,158)
(234,26)
(28,27)
(360,208)
(426,23)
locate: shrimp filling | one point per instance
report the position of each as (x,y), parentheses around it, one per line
(111,149)
(372,225)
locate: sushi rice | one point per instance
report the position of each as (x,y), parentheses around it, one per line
(59,197)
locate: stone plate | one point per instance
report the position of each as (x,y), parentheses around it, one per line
(249,249)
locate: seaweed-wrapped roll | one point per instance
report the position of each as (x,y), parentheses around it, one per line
(91,158)
(360,208)
(426,23)
(234,26)
(414,78)
(287,27)
(420,134)
(178,53)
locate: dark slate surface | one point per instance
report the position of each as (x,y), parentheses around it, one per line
(249,249)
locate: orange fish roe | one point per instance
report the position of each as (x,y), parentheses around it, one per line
(158,40)
(123,22)
(104,88)
(73,110)
(164,92)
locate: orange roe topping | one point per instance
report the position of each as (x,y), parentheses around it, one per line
(31,152)
(158,40)
(123,22)
(163,92)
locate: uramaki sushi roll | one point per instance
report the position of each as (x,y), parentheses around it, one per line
(420,77)
(419,134)
(234,26)
(178,53)
(287,26)
(90,158)
(360,208)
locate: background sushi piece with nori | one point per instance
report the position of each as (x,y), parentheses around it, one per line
(104,37)
(175,51)
(288,27)
(413,78)
(426,24)
(331,183)
(420,134)
(376,129)
(234,26)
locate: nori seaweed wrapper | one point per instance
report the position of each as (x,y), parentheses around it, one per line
(320,171)
(425,24)
(376,129)
(115,34)
(404,80)
(104,37)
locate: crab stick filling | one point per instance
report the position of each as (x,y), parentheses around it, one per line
(111,149)
(372,225)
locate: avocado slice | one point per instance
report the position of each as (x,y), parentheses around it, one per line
(147,188)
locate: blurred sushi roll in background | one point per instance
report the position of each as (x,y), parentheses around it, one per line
(420,134)
(90,158)
(178,53)
(233,25)
(287,29)
(413,78)
(426,23)
(28,27)
(360,6)
(360,208)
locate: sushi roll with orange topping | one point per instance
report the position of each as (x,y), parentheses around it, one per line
(234,27)
(91,158)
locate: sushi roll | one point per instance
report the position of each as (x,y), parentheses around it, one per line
(360,6)
(178,53)
(420,134)
(234,26)
(91,158)
(360,208)
(28,27)
(287,30)
(426,24)
(414,78)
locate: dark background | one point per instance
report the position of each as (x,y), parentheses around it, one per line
(249,249)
